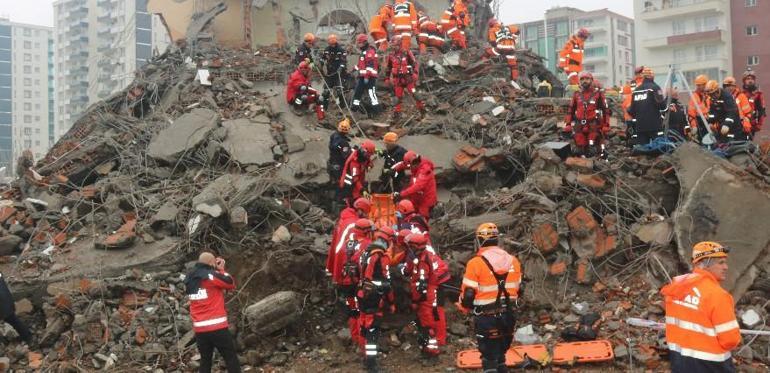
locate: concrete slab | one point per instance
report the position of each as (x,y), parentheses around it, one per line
(248,142)
(440,150)
(186,133)
(236,189)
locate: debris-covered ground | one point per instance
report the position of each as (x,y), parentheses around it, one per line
(96,237)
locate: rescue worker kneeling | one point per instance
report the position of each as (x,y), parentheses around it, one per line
(490,290)
(701,328)
(374,292)
(300,94)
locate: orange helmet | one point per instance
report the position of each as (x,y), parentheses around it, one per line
(728,81)
(331,39)
(410,157)
(344,126)
(363,204)
(487,231)
(416,240)
(712,86)
(701,79)
(309,37)
(514,29)
(708,249)
(385,232)
(368,146)
(583,33)
(390,138)
(405,207)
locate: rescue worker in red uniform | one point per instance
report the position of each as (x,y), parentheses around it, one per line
(399,254)
(701,329)
(744,107)
(756,100)
(367,69)
(402,72)
(454,21)
(375,292)
(353,180)
(588,118)
(429,34)
(379,25)
(426,272)
(205,287)
(345,223)
(698,100)
(723,114)
(490,289)
(300,94)
(422,187)
(571,55)
(502,40)
(409,219)
(404,22)
(346,273)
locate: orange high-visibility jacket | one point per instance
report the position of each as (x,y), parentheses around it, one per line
(503,38)
(700,319)
(404,17)
(378,24)
(479,277)
(461,13)
(702,101)
(627,99)
(745,111)
(571,55)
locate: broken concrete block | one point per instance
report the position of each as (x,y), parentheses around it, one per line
(184,135)
(213,207)
(122,238)
(239,218)
(24,307)
(559,267)
(281,235)
(526,335)
(583,232)
(5,364)
(658,233)
(546,182)
(248,142)
(581,308)
(498,110)
(167,212)
(9,244)
(274,312)
(750,319)
(545,238)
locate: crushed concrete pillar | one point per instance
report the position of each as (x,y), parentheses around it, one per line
(274,312)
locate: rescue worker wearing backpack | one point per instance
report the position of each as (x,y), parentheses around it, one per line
(723,114)
(375,292)
(408,218)
(346,273)
(426,272)
(571,55)
(352,183)
(422,186)
(490,290)
(502,42)
(588,117)
(345,223)
(430,34)
(744,106)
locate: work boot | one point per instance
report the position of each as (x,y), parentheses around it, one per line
(488,366)
(502,368)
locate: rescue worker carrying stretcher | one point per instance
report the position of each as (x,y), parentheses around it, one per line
(367,69)
(345,223)
(490,291)
(588,118)
(402,72)
(571,55)
(701,328)
(756,100)
(378,26)
(429,34)
(426,272)
(422,187)
(300,95)
(723,114)
(408,218)
(390,180)
(502,42)
(346,273)
(454,21)
(352,183)
(375,293)
(404,22)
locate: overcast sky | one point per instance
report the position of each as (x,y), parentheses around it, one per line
(40,12)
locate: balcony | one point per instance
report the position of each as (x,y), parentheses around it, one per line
(664,10)
(713,36)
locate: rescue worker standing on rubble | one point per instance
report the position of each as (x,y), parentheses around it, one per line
(352,183)
(305,50)
(404,22)
(345,223)
(502,41)
(490,290)
(677,117)
(335,60)
(300,94)
(429,34)
(426,272)
(205,287)
(625,104)
(454,21)
(402,72)
(375,293)
(339,151)
(701,328)
(723,114)
(422,187)
(367,69)
(742,102)
(646,107)
(571,55)
(378,26)
(756,100)
(8,312)
(698,104)
(391,181)
(588,118)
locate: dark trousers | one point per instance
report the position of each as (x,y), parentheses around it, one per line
(686,364)
(494,334)
(222,340)
(369,88)
(21,329)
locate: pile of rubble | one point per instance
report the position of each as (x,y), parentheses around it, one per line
(201,151)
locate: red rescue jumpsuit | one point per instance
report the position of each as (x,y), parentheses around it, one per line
(402,71)
(422,187)
(426,273)
(300,94)
(591,116)
(378,27)
(354,175)
(346,275)
(571,58)
(429,35)
(347,217)
(373,291)
(404,22)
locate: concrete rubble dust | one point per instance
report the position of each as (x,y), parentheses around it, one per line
(96,236)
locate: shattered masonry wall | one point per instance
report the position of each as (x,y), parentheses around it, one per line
(227,27)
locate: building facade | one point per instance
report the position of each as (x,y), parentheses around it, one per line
(99,45)
(694,36)
(26,87)
(609,51)
(750,26)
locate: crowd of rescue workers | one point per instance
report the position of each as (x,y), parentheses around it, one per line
(377,267)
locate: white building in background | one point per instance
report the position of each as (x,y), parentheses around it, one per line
(99,46)
(692,35)
(26,91)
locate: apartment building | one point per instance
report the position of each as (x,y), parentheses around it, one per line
(99,46)
(609,51)
(692,35)
(750,30)
(26,91)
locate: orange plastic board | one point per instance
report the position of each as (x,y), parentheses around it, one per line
(471,359)
(582,352)
(383,210)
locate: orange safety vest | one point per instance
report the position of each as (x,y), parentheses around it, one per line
(700,319)
(627,99)
(505,39)
(692,111)
(480,277)
(571,55)
(404,17)
(745,111)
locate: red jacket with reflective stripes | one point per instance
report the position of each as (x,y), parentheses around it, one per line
(205,289)
(348,216)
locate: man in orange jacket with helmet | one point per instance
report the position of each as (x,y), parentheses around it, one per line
(571,55)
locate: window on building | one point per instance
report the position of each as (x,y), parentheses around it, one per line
(37,45)
(680,55)
(585,22)
(532,33)
(596,52)
(37,70)
(27,144)
(37,82)
(28,69)
(562,29)
(753,61)
(27,57)
(708,23)
(37,130)
(750,3)
(37,142)
(27,94)
(27,32)
(37,106)
(27,82)
(678,27)
(27,45)
(622,26)
(628,57)
(27,119)
(37,119)
(752,30)
(27,106)
(623,40)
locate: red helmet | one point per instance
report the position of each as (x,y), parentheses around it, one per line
(410,157)
(363,204)
(304,66)
(385,232)
(364,225)
(368,145)
(401,236)
(585,74)
(361,38)
(583,33)
(405,207)
(416,240)
(492,22)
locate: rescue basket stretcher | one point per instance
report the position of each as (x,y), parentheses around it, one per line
(563,354)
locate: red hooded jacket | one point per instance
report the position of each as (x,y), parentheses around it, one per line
(347,217)
(296,80)
(349,245)
(422,188)
(205,288)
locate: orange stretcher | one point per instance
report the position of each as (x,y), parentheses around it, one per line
(383,211)
(582,352)
(471,359)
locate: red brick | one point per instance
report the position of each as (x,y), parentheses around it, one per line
(545,238)
(584,164)
(6,212)
(559,267)
(581,220)
(591,181)
(582,272)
